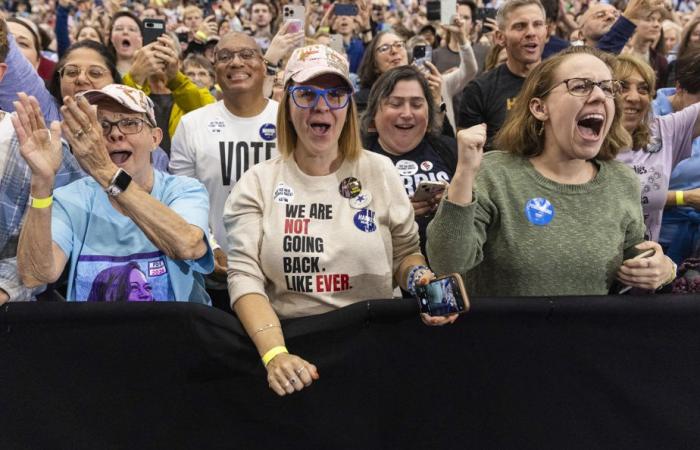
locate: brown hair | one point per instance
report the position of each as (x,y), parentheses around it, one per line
(685,37)
(492,57)
(4,44)
(522,132)
(626,66)
(349,143)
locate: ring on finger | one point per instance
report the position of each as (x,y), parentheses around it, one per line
(293,380)
(78,134)
(300,370)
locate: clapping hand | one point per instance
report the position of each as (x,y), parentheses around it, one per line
(83,131)
(39,146)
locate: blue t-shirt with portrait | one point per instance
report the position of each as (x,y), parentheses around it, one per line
(111,259)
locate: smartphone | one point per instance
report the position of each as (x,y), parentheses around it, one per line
(639,255)
(206,7)
(345,9)
(486,13)
(443,296)
(433,10)
(152,29)
(421,54)
(336,43)
(428,189)
(295,15)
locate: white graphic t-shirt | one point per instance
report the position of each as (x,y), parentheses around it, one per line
(216,147)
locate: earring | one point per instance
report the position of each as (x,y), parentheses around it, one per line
(541,130)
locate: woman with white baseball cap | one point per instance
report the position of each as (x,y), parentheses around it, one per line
(301,226)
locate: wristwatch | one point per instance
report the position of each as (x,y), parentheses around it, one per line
(120,181)
(271,69)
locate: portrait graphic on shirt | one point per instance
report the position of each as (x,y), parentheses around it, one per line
(138,277)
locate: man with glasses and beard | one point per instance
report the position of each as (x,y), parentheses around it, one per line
(216,144)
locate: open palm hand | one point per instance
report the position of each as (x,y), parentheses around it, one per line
(40,146)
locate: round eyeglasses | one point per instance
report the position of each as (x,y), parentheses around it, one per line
(72,72)
(582,87)
(246,55)
(398,45)
(307,97)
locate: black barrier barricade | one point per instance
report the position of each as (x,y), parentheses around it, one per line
(537,373)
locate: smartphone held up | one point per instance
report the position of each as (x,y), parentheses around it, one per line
(443,296)
(294,15)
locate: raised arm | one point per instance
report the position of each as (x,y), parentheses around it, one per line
(457,232)
(21,77)
(39,259)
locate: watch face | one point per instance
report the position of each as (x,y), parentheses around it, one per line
(113,191)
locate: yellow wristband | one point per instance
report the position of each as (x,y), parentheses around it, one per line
(201,36)
(680,200)
(274,351)
(41,203)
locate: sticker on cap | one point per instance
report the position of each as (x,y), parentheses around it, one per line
(426,166)
(362,200)
(216,126)
(406,167)
(539,211)
(364,220)
(350,187)
(268,131)
(283,194)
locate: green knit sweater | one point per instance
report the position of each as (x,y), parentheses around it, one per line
(526,235)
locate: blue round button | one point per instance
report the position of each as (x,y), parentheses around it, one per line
(364,220)
(539,211)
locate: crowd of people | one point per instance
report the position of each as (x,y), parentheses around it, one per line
(270,162)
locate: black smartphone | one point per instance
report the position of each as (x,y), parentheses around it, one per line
(443,296)
(486,13)
(433,10)
(152,29)
(345,9)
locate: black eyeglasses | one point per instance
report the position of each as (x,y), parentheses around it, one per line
(307,97)
(398,45)
(129,125)
(582,87)
(72,72)
(247,55)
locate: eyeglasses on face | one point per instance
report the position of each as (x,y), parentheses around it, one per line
(247,55)
(582,87)
(128,125)
(71,72)
(307,97)
(398,45)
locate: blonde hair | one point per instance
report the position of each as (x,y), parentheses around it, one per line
(192,10)
(522,132)
(626,66)
(349,143)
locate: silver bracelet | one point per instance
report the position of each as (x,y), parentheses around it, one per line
(267,327)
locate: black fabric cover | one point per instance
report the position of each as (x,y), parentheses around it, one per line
(564,373)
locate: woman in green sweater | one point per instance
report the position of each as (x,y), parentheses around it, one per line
(552,214)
